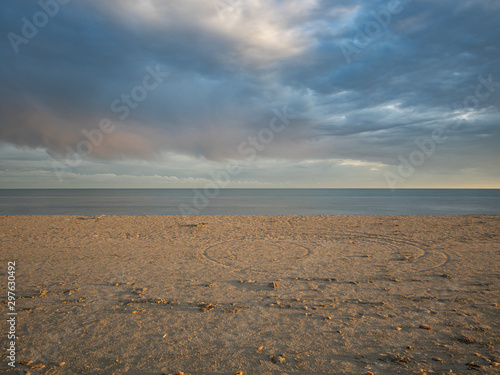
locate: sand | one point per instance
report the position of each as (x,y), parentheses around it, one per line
(256,294)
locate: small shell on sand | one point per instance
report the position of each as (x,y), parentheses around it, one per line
(423,326)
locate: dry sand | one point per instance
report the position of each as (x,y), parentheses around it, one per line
(257,294)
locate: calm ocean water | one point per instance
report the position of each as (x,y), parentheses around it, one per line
(250,202)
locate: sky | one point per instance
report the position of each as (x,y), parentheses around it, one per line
(249,94)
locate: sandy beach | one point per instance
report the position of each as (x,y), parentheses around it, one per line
(253,294)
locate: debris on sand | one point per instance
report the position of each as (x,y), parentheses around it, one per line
(474,366)
(207,306)
(71,291)
(395,358)
(278,359)
(275,284)
(466,340)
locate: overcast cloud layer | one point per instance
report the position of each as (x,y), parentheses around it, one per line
(345,91)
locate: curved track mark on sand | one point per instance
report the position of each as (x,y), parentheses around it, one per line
(257,254)
(411,256)
(425,254)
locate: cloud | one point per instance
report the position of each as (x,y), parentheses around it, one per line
(233,63)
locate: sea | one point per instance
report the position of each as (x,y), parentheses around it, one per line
(249,202)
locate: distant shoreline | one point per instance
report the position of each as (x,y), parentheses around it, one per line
(250,202)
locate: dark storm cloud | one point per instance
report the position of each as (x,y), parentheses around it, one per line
(228,71)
